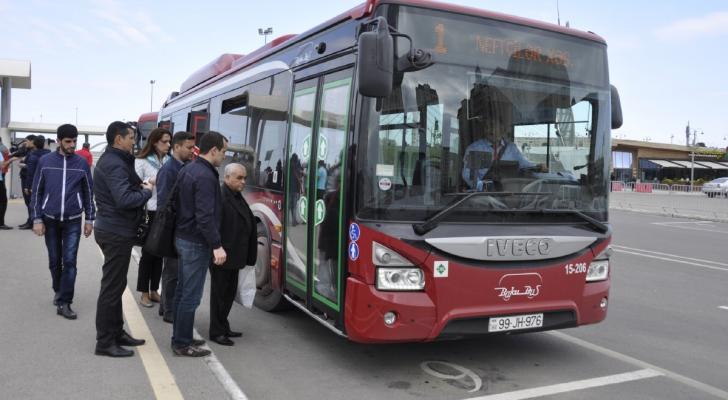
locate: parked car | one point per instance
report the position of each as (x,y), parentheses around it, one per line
(716,187)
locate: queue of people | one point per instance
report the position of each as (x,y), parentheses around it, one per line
(214,227)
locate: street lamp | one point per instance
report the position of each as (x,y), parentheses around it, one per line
(265,32)
(151,95)
(692,156)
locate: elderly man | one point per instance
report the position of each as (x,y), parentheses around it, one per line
(238,233)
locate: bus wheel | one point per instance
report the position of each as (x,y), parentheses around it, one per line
(267,298)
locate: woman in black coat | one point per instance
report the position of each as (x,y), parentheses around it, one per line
(238,232)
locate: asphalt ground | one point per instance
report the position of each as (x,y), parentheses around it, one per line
(664,338)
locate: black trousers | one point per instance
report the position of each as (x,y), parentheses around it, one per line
(169,287)
(109,313)
(150,268)
(26,199)
(223,286)
(3,201)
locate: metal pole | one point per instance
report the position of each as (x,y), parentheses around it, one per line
(5,105)
(692,168)
(151,96)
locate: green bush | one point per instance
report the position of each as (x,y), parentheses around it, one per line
(667,181)
(699,182)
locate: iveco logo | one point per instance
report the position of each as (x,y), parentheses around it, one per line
(521,247)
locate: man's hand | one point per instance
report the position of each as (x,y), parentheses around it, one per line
(147,185)
(27,192)
(39,228)
(87,229)
(219,256)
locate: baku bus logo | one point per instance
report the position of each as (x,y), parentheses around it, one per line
(526,285)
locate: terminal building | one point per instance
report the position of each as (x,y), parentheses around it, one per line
(647,161)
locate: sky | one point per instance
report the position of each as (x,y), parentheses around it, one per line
(92,60)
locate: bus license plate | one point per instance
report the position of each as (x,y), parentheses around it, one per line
(528,321)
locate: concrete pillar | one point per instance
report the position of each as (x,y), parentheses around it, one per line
(5,111)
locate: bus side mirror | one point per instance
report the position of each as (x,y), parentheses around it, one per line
(616,109)
(375,61)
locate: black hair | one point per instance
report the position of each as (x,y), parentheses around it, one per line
(211,140)
(66,131)
(116,128)
(180,137)
(39,142)
(30,137)
(86,145)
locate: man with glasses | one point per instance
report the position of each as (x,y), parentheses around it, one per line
(62,192)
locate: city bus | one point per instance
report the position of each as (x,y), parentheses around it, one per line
(421,171)
(144,126)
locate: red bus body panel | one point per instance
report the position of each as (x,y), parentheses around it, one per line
(468,292)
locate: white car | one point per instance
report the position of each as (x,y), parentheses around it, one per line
(716,187)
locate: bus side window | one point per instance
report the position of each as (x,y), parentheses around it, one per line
(268,104)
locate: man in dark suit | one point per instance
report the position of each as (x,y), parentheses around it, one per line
(238,233)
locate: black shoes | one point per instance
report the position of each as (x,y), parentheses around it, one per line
(223,340)
(4,227)
(198,342)
(125,339)
(234,334)
(190,351)
(113,351)
(65,311)
(25,226)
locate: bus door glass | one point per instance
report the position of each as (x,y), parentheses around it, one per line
(315,183)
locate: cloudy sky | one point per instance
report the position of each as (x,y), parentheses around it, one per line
(95,58)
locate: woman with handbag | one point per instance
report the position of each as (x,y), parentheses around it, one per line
(148,162)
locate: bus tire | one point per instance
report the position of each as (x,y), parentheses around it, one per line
(267,298)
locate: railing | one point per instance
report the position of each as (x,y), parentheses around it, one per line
(649,187)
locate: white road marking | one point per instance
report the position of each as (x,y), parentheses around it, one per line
(642,364)
(160,377)
(671,260)
(681,222)
(222,375)
(572,386)
(672,255)
(672,225)
(723,307)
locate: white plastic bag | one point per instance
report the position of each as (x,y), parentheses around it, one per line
(246,286)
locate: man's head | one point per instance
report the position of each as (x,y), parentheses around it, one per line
(235,176)
(183,146)
(67,135)
(29,141)
(212,147)
(39,142)
(120,136)
(87,145)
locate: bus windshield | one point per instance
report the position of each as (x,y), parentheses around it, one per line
(516,111)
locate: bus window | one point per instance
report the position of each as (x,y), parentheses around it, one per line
(268,102)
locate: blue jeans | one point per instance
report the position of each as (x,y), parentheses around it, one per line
(194,258)
(62,239)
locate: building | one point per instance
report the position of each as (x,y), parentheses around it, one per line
(647,161)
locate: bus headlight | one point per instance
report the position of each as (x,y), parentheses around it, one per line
(400,279)
(598,271)
(386,257)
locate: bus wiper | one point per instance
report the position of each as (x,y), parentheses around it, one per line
(598,226)
(432,222)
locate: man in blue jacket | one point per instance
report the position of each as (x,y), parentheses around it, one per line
(197,237)
(61,193)
(120,198)
(31,166)
(183,146)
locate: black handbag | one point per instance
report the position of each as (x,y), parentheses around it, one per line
(142,230)
(160,238)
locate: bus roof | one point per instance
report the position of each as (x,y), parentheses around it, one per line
(150,116)
(227,64)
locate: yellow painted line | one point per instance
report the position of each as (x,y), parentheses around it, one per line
(160,377)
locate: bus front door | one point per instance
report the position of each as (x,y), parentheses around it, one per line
(314,184)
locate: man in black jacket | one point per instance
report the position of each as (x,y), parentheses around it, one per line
(120,198)
(197,237)
(238,232)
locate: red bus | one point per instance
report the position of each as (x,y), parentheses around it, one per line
(422,171)
(145,124)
